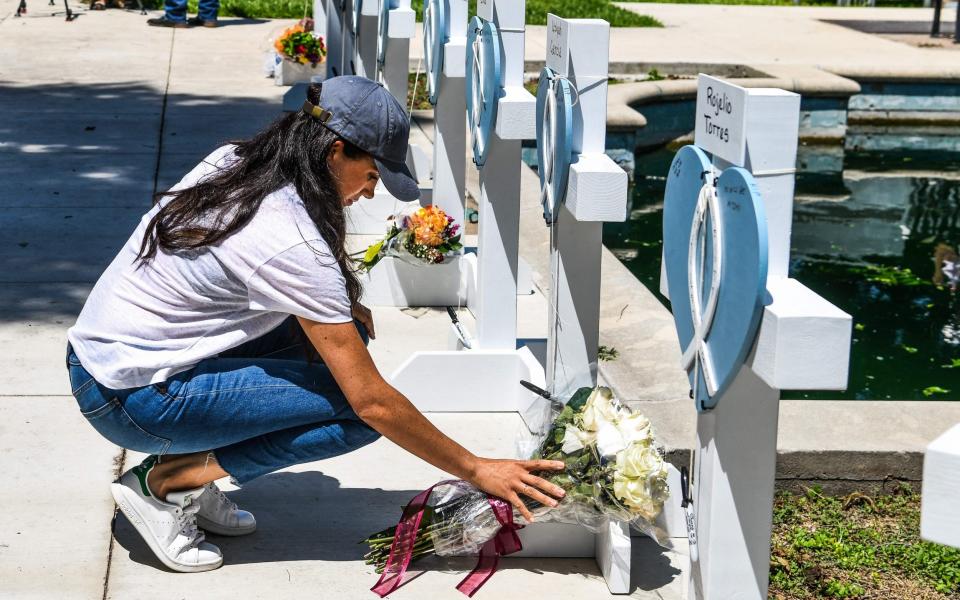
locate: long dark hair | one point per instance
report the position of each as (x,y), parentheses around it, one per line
(293,149)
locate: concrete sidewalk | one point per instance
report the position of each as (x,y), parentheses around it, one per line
(95,116)
(710,34)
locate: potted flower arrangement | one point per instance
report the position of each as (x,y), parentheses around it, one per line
(299,52)
(427,236)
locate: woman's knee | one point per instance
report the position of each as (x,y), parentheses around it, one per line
(359,434)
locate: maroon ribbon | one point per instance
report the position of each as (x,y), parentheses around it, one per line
(401,550)
(506,541)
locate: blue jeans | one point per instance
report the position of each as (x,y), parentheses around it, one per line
(262,406)
(176,10)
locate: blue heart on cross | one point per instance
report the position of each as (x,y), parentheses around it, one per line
(554,140)
(715,254)
(383,32)
(484,84)
(434,38)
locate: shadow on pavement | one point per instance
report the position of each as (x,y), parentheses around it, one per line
(78,167)
(230,22)
(309,516)
(300,516)
(650,565)
(893,27)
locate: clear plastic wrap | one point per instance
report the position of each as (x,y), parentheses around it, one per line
(425,236)
(615,471)
(615,467)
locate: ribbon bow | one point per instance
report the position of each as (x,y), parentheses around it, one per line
(506,541)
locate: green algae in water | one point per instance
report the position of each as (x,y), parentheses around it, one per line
(865,233)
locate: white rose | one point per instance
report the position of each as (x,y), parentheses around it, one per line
(599,409)
(635,428)
(639,460)
(576,439)
(635,493)
(609,440)
(631,491)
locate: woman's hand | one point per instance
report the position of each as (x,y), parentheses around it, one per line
(385,409)
(509,479)
(363,314)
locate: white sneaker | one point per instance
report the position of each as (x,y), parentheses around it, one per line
(169,528)
(219,515)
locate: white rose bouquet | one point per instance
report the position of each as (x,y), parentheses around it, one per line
(614,471)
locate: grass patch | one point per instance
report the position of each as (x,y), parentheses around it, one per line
(264,9)
(422,101)
(571,9)
(531,85)
(536,10)
(248,9)
(857,547)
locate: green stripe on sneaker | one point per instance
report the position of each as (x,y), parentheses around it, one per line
(141,472)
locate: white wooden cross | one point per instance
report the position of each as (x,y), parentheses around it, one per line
(450,138)
(394,48)
(364,23)
(495,304)
(328,19)
(577,49)
(803,343)
(373,42)
(395,282)
(487,376)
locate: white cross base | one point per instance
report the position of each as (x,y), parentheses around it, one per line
(939,518)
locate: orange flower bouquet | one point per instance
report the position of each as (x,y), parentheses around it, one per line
(429,235)
(299,45)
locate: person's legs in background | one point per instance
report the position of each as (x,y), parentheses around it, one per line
(174,15)
(175,10)
(206,13)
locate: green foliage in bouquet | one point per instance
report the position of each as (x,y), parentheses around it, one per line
(298,44)
(613,462)
(428,235)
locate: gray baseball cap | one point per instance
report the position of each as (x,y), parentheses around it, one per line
(362,112)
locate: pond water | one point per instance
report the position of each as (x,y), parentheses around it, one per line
(867,229)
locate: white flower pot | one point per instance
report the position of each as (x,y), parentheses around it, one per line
(395,282)
(288,72)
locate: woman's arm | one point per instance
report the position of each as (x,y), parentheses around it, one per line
(389,412)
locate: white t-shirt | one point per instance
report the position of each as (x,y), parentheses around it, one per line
(143,323)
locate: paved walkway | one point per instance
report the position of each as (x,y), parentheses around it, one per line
(764,35)
(96,115)
(809,36)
